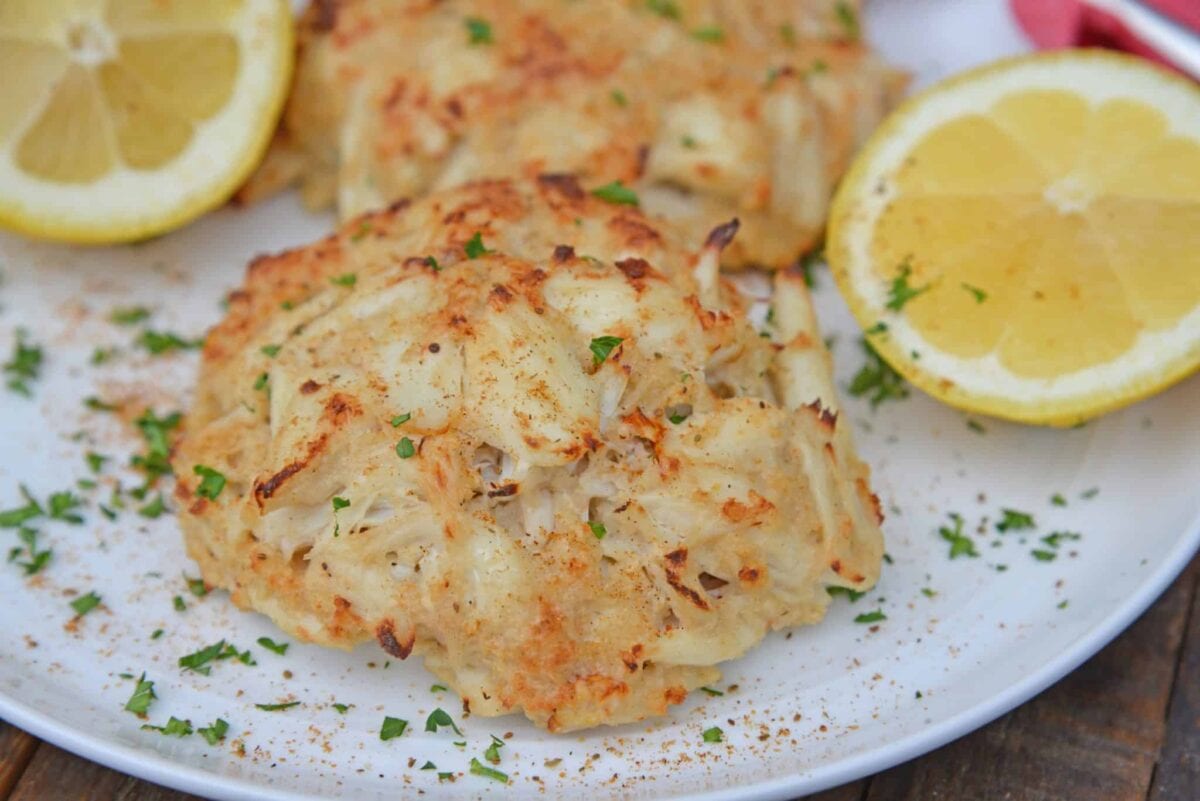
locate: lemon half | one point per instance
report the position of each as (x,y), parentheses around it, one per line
(1023,240)
(121,119)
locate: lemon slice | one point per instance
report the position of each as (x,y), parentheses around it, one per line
(1024,240)
(121,119)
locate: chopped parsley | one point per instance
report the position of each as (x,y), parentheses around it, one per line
(677,418)
(198,660)
(85,603)
(619,98)
(345,279)
(211,482)
(401,419)
(709,33)
(428,766)
(102,355)
(601,347)
(405,449)
(277,647)
(97,405)
(129,315)
(492,754)
(976,426)
(62,506)
(196,586)
(154,509)
(1088,494)
(787,32)
(1043,556)
(848,19)
(95,461)
(1014,520)
(977,293)
(437,719)
(364,228)
(174,728)
(270,350)
(616,192)
(478,31)
(711,691)
(597,528)
(179,604)
(871,617)
(1058,500)
(900,293)
(1057,538)
(474,247)
(37,560)
(12,518)
(156,461)
(1062,604)
(24,366)
(852,594)
(713,735)
(340,503)
(807,263)
(392,727)
(876,380)
(156,634)
(480,769)
(277,707)
(215,732)
(342,708)
(927,592)
(667,9)
(160,342)
(143,696)
(960,544)
(438,688)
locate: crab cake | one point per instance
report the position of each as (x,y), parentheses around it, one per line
(532,438)
(709,109)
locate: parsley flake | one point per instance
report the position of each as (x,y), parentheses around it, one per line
(960,544)
(401,419)
(474,247)
(342,708)
(492,754)
(154,509)
(277,707)
(174,728)
(709,33)
(160,342)
(871,617)
(211,482)
(713,735)
(277,647)
(876,380)
(437,719)
(1043,556)
(900,293)
(392,728)
(480,769)
(601,347)
(179,604)
(848,19)
(667,9)
(1058,500)
(619,98)
(977,293)
(196,586)
(340,503)
(617,193)
(405,449)
(1014,520)
(852,594)
(478,31)
(270,350)
(24,366)
(85,603)
(597,528)
(428,766)
(345,279)
(711,691)
(129,315)
(95,461)
(215,732)
(1057,538)
(143,696)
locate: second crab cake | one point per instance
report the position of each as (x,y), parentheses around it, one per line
(528,436)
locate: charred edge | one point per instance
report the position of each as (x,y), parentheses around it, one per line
(723,234)
(499,297)
(309,387)
(826,418)
(565,184)
(263,490)
(632,657)
(634,268)
(385,633)
(504,491)
(675,561)
(563,253)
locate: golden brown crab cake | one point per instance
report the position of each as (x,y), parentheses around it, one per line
(531,437)
(707,109)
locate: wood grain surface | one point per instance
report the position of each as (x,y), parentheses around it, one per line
(1123,727)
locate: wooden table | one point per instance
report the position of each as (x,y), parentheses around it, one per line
(1123,727)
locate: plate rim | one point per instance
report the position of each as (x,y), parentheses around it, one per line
(156,768)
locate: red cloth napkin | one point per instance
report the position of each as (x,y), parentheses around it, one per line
(1078,23)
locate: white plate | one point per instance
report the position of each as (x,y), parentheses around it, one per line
(818,707)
